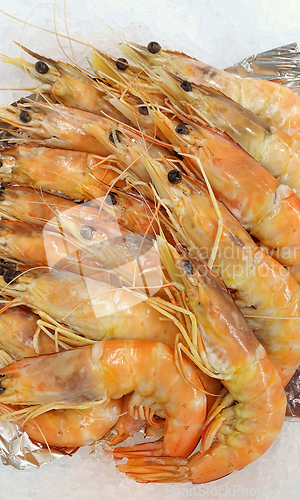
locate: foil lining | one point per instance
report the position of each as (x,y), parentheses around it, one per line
(292,391)
(282,65)
(17,449)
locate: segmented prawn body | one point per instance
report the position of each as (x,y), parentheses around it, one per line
(110,369)
(67,84)
(271,101)
(22,337)
(249,417)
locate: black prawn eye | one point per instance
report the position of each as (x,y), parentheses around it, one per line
(10,275)
(25,117)
(182,129)
(111,199)
(174,176)
(41,67)
(87,232)
(186,86)
(188,267)
(143,110)
(121,64)
(153,47)
(1,163)
(116,134)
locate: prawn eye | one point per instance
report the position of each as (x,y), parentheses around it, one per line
(25,117)
(174,176)
(41,67)
(186,86)
(87,232)
(111,199)
(116,134)
(182,129)
(187,267)
(1,163)
(122,64)
(10,275)
(143,110)
(153,47)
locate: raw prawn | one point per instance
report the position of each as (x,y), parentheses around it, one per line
(271,101)
(67,84)
(110,369)
(249,417)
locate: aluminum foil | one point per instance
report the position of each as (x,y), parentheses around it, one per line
(17,449)
(281,65)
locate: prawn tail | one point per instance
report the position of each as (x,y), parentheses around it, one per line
(157,470)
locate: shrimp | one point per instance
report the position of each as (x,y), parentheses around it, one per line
(55,126)
(94,309)
(72,173)
(265,291)
(70,427)
(272,102)
(250,416)
(67,84)
(253,195)
(111,369)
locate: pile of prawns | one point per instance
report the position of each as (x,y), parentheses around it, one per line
(150,246)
